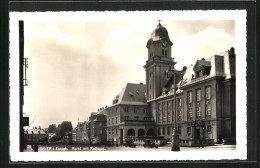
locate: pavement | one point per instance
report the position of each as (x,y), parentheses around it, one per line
(217,147)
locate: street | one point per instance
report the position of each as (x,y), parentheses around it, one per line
(216,147)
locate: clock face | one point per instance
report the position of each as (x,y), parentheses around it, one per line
(164,43)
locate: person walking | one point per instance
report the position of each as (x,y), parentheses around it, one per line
(201,144)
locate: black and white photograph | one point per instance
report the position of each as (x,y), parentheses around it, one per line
(120,86)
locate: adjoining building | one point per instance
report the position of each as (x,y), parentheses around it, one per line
(83,132)
(74,135)
(97,127)
(129,115)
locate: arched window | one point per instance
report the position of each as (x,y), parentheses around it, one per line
(150,132)
(141,132)
(131,132)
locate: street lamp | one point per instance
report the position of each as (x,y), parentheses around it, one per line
(175,135)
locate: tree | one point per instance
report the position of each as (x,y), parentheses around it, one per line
(64,128)
(52,128)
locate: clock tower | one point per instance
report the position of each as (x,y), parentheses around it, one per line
(159,61)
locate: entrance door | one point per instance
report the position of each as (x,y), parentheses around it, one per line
(197,136)
(121,136)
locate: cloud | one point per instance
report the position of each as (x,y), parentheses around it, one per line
(203,44)
(77,67)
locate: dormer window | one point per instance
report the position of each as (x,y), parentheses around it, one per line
(202,68)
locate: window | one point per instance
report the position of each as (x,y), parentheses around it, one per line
(190,97)
(159,131)
(112,120)
(179,108)
(162,52)
(189,104)
(189,111)
(166,52)
(116,131)
(209,129)
(126,117)
(198,109)
(208,92)
(198,94)
(208,101)
(163,130)
(112,131)
(168,130)
(208,108)
(135,109)
(136,117)
(198,104)
(150,86)
(126,109)
(145,111)
(100,131)
(116,110)
(116,120)
(179,102)
(159,112)
(189,131)
(179,129)
(150,74)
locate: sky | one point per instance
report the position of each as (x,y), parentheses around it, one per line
(77,67)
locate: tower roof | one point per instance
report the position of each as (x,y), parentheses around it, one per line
(159,33)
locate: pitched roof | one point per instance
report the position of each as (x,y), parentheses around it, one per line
(202,63)
(132,94)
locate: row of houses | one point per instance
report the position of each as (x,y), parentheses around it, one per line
(204,107)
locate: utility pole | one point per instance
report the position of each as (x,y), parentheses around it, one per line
(23,64)
(21,54)
(175,135)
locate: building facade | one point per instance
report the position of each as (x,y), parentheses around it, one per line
(199,100)
(83,132)
(129,115)
(205,94)
(97,128)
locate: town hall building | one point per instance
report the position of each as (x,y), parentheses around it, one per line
(205,106)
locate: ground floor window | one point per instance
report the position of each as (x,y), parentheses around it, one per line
(179,129)
(168,130)
(159,131)
(189,131)
(163,130)
(131,132)
(209,129)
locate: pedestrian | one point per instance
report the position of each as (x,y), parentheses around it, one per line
(201,144)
